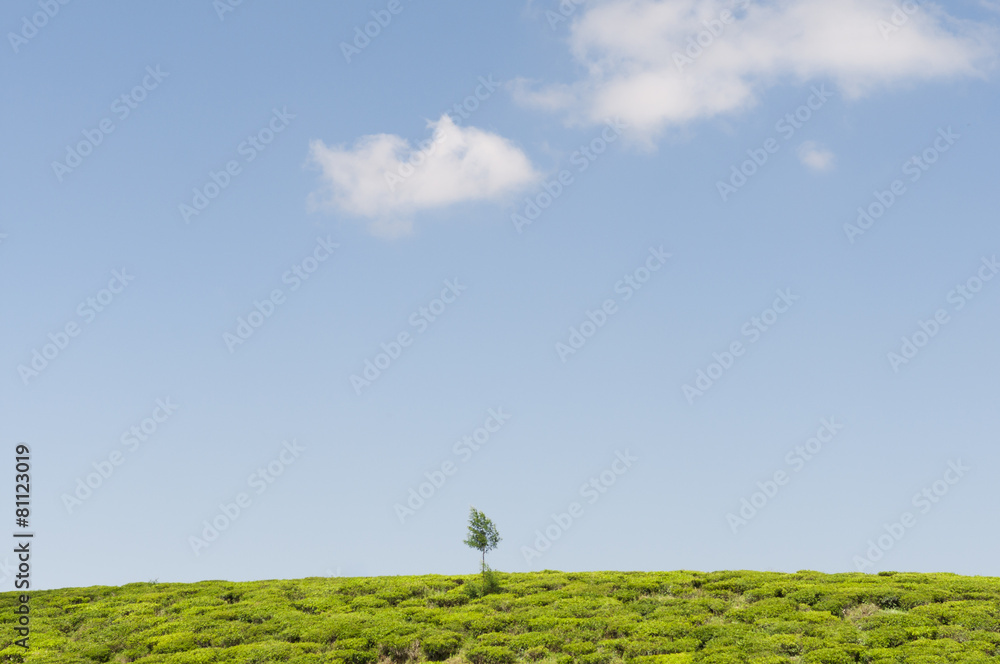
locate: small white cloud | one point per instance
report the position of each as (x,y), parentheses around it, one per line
(662,63)
(386,180)
(815,156)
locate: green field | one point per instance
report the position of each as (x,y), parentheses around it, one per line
(594,617)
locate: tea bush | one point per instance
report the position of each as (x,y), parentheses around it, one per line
(547,617)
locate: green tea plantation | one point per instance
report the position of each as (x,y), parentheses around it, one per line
(592,618)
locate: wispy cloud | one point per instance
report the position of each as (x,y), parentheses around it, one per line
(815,156)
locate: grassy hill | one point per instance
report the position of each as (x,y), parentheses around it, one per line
(594,618)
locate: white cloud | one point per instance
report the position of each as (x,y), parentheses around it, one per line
(386,180)
(645,63)
(815,157)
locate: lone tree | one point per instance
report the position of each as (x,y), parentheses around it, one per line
(483,535)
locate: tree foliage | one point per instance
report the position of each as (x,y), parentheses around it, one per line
(483,535)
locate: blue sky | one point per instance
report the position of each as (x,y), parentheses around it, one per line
(679,284)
